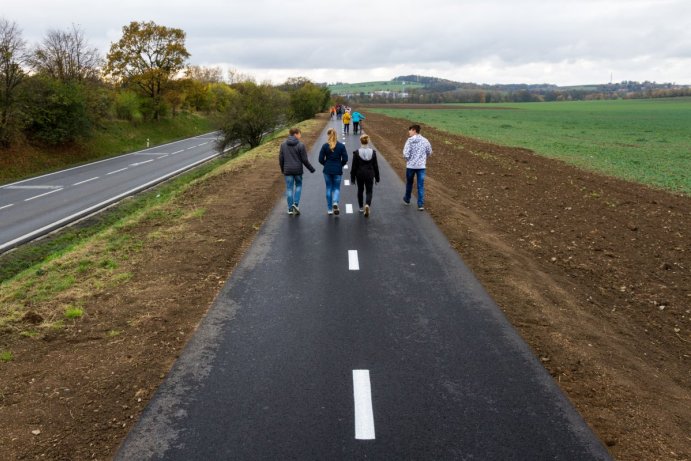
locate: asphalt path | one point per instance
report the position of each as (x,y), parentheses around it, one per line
(36,206)
(357,338)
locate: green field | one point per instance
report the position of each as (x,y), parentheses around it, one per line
(368,87)
(647,141)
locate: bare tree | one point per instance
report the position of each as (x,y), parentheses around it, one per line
(235,76)
(66,56)
(205,74)
(12,58)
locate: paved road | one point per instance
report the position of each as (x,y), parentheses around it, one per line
(36,206)
(355,338)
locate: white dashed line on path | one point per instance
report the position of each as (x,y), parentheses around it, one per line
(42,195)
(85,181)
(349,208)
(116,171)
(6,206)
(353,263)
(346,182)
(362,396)
(345,167)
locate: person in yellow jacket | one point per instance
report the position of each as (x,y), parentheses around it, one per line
(346,123)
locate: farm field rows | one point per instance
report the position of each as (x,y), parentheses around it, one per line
(647,141)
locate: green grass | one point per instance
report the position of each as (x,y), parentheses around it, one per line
(116,138)
(72,313)
(368,87)
(6,356)
(647,141)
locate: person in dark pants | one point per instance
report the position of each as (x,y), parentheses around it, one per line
(365,171)
(416,150)
(291,157)
(333,155)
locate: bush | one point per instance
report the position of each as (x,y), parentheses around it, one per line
(128,106)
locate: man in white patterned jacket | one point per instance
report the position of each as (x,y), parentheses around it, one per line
(416,150)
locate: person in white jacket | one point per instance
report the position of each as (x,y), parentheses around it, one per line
(416,150)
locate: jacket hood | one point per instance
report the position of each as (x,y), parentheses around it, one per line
(365,153)
(416,138)
(292,141)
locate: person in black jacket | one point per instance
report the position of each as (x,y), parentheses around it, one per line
(365,170)
(291,157)
(333,155)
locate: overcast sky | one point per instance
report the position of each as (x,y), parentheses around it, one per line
(485,41)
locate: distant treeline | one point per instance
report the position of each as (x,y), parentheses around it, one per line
(437,90)
(59,90)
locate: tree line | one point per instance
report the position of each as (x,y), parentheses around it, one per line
(61,89)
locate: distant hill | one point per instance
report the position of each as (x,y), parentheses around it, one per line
(426,89)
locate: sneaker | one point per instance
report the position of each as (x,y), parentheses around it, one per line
(366,211)
(362,210)
(405,203)
(336,210)
(290,211)
(329,212)
(296,210)
(421,208)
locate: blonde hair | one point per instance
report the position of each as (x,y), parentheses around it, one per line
(332,138)
(364,139)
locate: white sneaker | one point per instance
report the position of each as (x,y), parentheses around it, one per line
(336,210)
(366,211)
(296,210)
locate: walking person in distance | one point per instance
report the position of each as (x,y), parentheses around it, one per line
(357,119)
(365,171)
(346,122)
(333,156)
(292,156)
(416,150)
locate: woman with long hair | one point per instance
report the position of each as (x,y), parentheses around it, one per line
(364,171)
(333,156)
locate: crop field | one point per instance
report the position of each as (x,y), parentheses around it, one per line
(647,141)
(368,87)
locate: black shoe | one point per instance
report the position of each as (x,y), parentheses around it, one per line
(336,210)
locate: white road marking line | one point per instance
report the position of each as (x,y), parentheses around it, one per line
(33,187)
(42,195)
(190,148)
(141,163)
(353,263)
(177,152)
(82,182)
(362,395)
(162,156)
(6,206)
(349,208)
(345,167)
(346,182)
(203,144)
(102,204)
(116,171)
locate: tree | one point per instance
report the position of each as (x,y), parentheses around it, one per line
(308,100)
(66,56)
(205,74)
(148,57)
(252,112)
(12,57)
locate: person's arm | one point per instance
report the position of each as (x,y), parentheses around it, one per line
(354,167)
(428,149)
(344,156)
(281,160)
(303,158)
(406,149)
(322,154)
(376,166)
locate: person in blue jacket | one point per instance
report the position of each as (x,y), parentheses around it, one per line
(333,155)
(357,118)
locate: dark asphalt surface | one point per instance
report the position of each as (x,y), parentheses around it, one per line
(269,373)
(36,206)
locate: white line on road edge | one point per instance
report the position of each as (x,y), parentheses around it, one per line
(6,206)
(353,263)
(346,182)
(42,195)
(116,171)
(92,208)
(82,182)
(362,395)
(349,208)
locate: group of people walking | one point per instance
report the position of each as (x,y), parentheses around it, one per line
(364,169)
(347,115)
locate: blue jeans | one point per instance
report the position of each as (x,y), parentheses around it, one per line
(333,188)
(293,189)
(409,177)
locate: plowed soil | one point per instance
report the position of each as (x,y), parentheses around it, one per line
(595,273)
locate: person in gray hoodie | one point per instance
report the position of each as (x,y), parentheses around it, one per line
(291,157)
(364,170)
(416,150)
